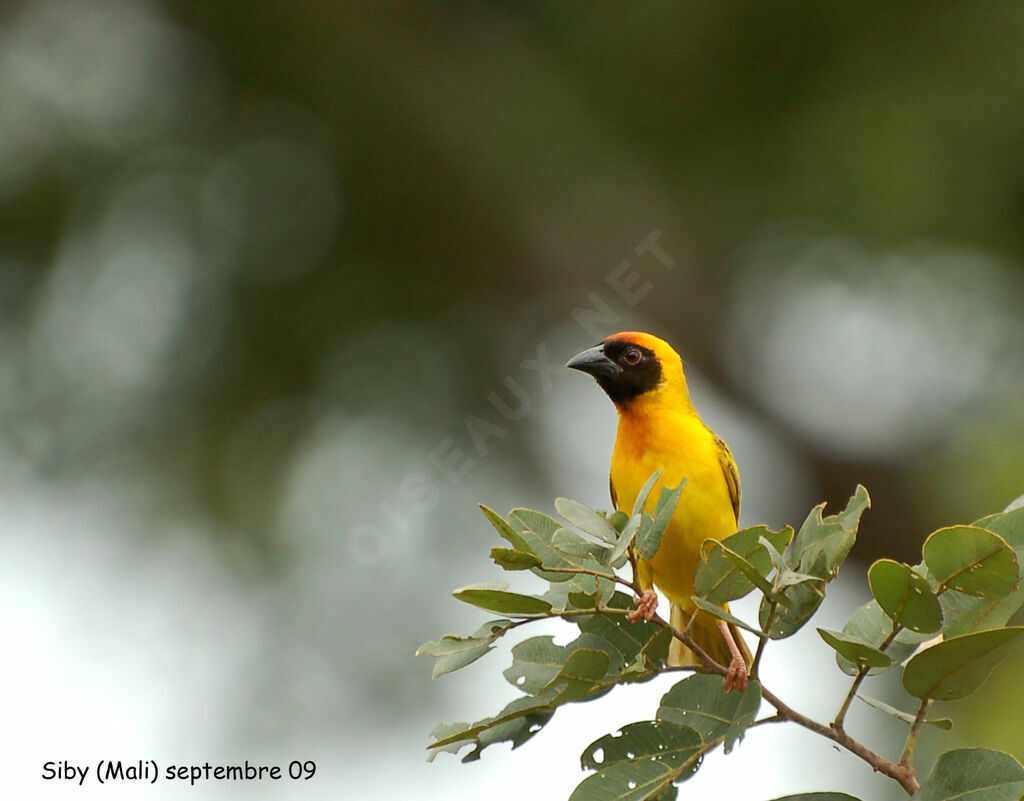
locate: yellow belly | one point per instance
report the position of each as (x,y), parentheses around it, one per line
(682,448)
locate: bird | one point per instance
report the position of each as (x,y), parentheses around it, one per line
(660,430)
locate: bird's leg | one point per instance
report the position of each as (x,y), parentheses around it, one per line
(737,678)
(646,607)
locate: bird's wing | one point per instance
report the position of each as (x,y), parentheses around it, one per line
(732,476)
(611,490)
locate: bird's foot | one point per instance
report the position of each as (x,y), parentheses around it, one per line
(646,607)
(738,677)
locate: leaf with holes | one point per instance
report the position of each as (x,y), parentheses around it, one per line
(629,638)
(537,661)
(957,667)
(630,781)
(701,702)
(516,723)
(667,742)
(905,596)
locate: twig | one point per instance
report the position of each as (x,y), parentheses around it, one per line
(763,641)
(582,571)
(903,774)
(907,757)
(862,673)
(859,679)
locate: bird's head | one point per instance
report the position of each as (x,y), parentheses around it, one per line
(632,364)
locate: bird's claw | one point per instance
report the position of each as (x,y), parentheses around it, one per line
(646,607)
(737,678)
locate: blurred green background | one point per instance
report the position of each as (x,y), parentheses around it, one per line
(285,292)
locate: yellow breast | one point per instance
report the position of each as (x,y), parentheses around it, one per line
(681,447)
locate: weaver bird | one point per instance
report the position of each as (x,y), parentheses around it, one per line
(660,430)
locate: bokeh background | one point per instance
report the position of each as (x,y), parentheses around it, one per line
(284,292)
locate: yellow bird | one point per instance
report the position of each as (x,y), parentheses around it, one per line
(660,430)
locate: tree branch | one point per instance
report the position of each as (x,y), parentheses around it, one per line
(902,773)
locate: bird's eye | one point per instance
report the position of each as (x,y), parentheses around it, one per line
(632,356)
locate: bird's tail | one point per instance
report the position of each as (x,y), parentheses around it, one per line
(707,635)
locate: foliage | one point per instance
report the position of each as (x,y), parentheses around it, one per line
(941,623)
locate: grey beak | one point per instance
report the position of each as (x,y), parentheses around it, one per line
(594,362)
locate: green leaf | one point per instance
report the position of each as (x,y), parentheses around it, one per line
(1008,524)
(721,614)
(821,544)
(818,550)
(869,624)
(956,667)
(667,742)
(648,538)
(628,638)
(855,650)
(537,531)
(750,573)
(492,596)
(972,560)
(627,781)
(701,702)
(586,519)
(721,579)
(504,529)
(561,593)
(965,614)
(514,560)
(803,598)
(516,723)
(618,555)
(973,774)
(452,652)
(558,547)
(940,723)
(583,674)
(817,797)
(905,596)
(618,520)
(570,544)
(537,662)
(645,490)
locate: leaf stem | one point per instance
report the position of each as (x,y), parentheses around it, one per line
(862,673)
(907,757)
(763,641)
(859,679)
